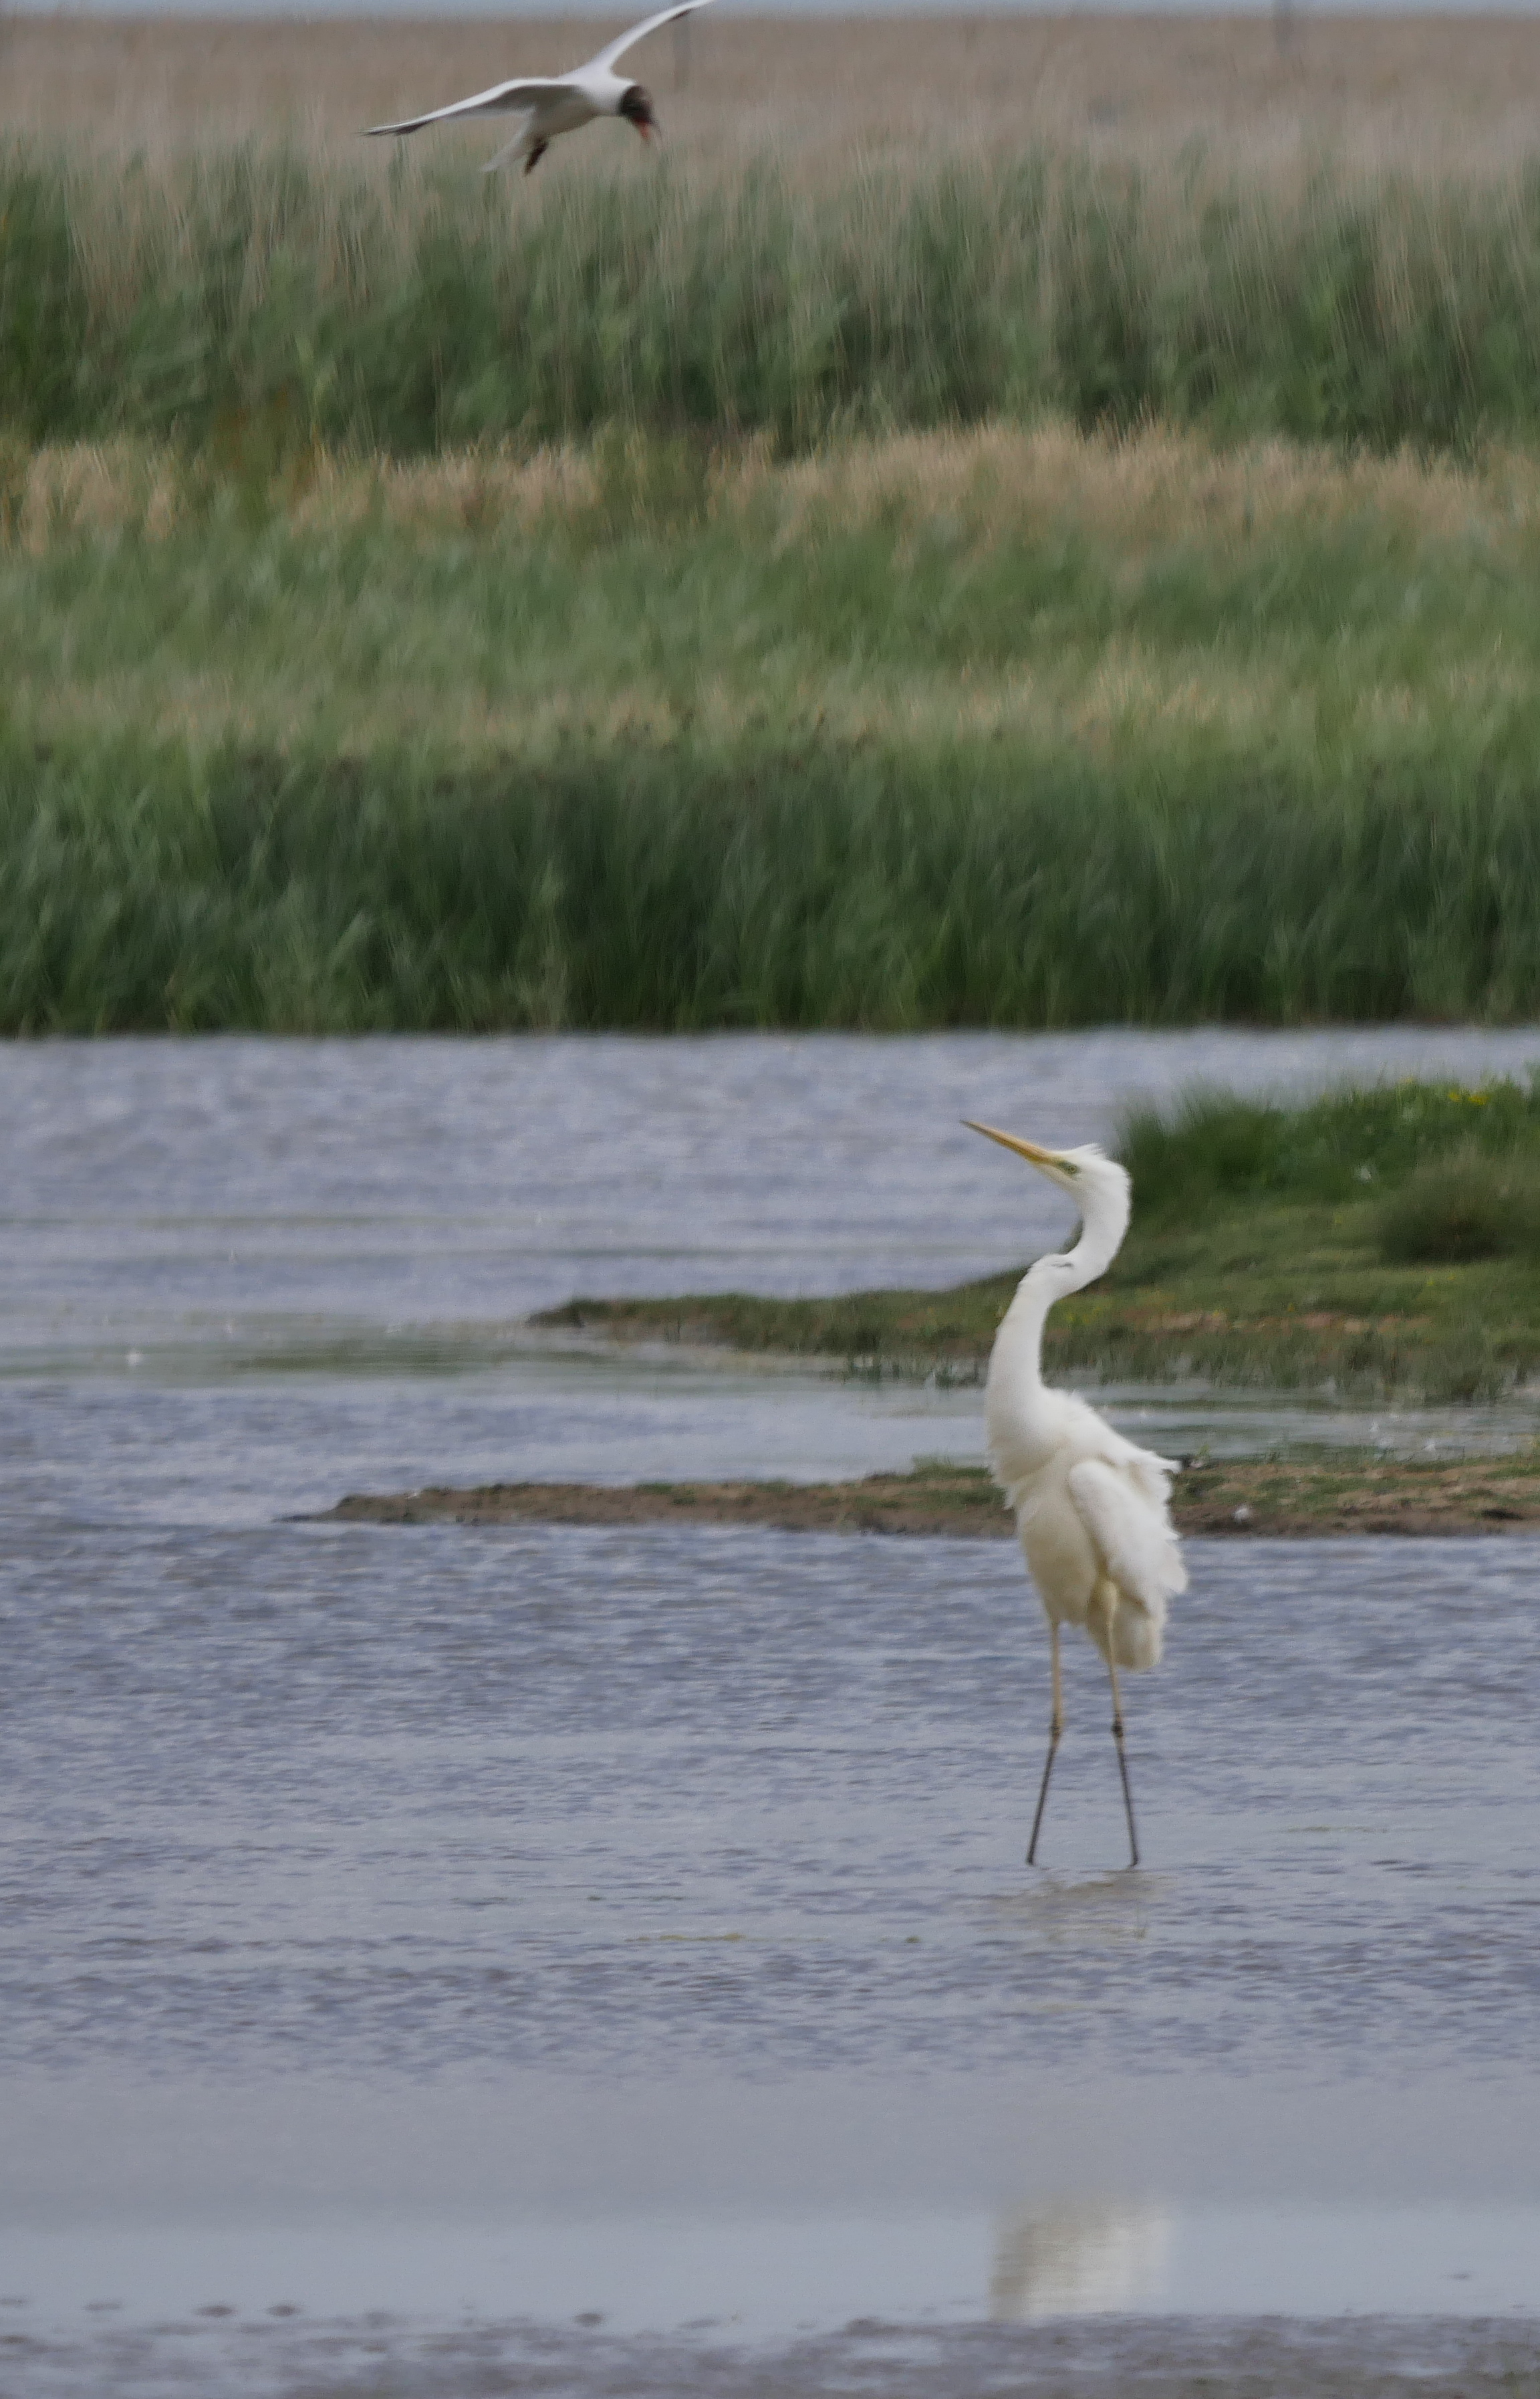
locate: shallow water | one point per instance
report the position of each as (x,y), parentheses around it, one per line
(353,1798)
(552,1923)
(452,1934)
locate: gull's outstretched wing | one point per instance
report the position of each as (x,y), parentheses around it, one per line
(502,100)
(617,49)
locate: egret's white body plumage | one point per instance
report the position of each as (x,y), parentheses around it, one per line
(1092,1510)
(553,104)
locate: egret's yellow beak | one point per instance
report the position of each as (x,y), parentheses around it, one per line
(1027,1149)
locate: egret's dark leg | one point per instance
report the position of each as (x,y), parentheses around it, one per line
(1054,1730)
(1122,1756)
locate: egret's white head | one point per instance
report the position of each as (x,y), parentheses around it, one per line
(1099,1187)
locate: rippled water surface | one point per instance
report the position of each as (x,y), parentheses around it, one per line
(604,1960)
(258,1192)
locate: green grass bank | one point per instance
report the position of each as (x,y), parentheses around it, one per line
(1375,1241)
(280,296)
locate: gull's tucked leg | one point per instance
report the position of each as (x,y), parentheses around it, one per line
(517,148)
(1054,1730)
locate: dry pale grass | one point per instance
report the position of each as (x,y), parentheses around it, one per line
(1155,486)
(66,490)
(1125,695)
(964,491)
(1129,698)
(1429,93)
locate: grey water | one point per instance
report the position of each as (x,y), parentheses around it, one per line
(454,1961)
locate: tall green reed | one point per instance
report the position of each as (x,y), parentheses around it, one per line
(671,888)
(251,295)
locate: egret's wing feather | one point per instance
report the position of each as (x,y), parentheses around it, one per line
(1133,1534)
(503,98)
(1154,1475)
(617,49)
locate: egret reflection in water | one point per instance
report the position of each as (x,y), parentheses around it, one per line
(1085,2258)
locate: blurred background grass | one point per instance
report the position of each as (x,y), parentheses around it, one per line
(1005,729)
(1432,92)
(1020,522)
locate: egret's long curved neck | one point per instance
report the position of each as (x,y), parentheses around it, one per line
(1104,1224)
(1055,1278)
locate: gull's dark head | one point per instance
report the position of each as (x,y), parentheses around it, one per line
(636,107)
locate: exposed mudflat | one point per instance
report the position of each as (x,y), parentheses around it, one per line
(1298,1498)
(964,1503)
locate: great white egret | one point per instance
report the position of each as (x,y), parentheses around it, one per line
(1092,1510)
(553,104)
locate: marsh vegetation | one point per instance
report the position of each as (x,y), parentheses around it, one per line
(264,295)
(1009,728)
(1081,569)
